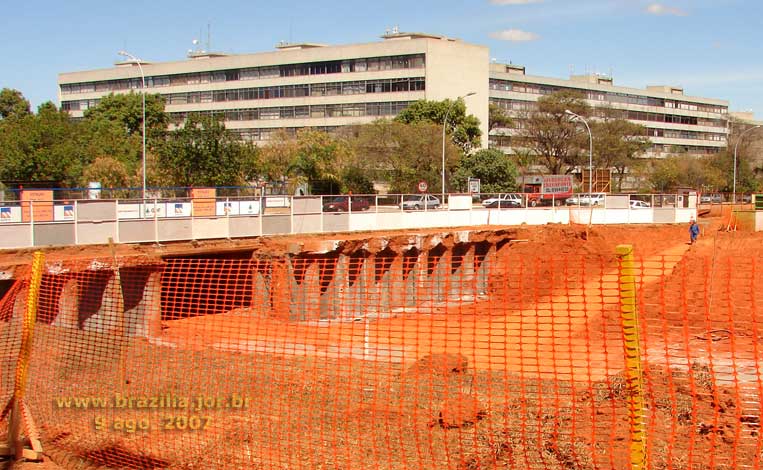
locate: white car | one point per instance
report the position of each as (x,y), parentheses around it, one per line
(585,199)
(504,200)
(636,204)
(416,202)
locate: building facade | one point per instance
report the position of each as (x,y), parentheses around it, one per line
(674,122)
(325,87)
(300,85)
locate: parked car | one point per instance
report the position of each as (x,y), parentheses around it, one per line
(340,204)
(636,204)
(504,201)
(415,202)
(585,199)
(710,199)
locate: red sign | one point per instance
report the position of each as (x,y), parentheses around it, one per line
(423,186)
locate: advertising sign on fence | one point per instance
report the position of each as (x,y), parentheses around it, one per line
(41,200)
(203,202)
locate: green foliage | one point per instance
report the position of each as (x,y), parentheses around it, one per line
(496,171)
(203,153)
(497,118)
(356,180)
(13,104)
(464,129)
(684,171)
(404,154)
(617,143)
(40,147)
(127,109)
(550,133)
(318,159)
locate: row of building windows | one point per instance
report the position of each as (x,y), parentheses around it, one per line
(299,91)
(505,141)
(517,105)
(609,97)
(284,91)
(268,134)
(411,61)
(303,112)
(674,134)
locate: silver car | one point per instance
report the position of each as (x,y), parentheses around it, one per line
(417,202)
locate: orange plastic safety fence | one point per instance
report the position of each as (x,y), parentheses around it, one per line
(464,357)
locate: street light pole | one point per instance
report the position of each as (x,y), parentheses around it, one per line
(143,95)
(590,150)
(734,187)
(444,122)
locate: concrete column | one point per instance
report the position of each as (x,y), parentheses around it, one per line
(260,295)
(340,286)
(411,275)
(384,282)
(280,289)
(311,290)
(355,301)
(297,294)
(145,319)
(394,283)
(462,279)
(438,264)
(328,304)
(483,256)
(68,306)
(109,317)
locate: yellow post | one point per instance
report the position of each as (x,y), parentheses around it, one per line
(20,416)
(632,349)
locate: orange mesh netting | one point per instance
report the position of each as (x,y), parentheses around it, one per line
(470,356)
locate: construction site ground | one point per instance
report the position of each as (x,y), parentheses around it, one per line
(555,371)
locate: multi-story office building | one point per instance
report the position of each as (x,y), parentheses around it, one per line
(324,87)
(674,122)
(300,85)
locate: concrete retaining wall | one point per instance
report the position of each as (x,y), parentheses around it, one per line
(304,217)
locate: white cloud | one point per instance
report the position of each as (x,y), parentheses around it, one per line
(515,35)
(660,9)
(514,2)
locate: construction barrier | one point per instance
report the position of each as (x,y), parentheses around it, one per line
(455,356)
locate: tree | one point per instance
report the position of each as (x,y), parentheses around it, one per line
(464,129)
(41,147)
(525,159)
(13,104)
(496,171)
(277,154)
(617,143)
(550,134)
(403,154)
(203,153)
(319,161)
(127,109)
(497,118)
(110,172)
(685,171)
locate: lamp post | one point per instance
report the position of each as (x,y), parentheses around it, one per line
(143,95)
(444,122)
(590,150)
(734,187)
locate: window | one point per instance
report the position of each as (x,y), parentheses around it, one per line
(270,113)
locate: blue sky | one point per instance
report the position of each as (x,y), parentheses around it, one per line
(710,47)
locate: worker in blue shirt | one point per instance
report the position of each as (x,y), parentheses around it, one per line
(693,231)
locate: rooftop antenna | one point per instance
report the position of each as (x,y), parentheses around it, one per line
(209,38)
(572,69)
(395,29)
